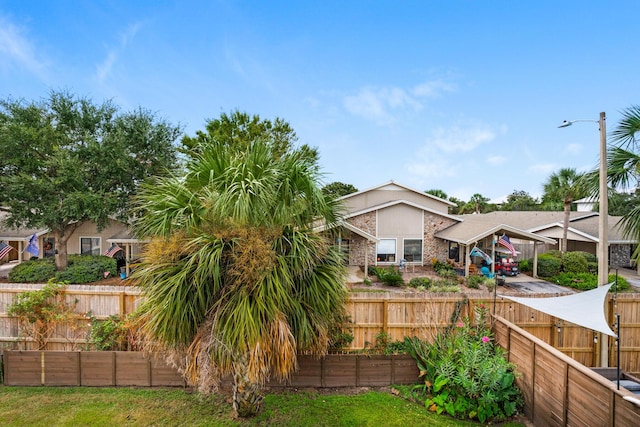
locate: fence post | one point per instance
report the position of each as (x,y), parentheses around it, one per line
(385,315)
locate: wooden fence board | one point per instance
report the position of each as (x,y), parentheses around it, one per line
(549,389)
(98,368)
(566,392)
(23,368)
(520,351)
(627,413)
(588,401)
(132,369)
(61,368)
(339,371)
(165,375)
(399,315)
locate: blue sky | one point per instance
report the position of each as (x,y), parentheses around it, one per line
(462,96)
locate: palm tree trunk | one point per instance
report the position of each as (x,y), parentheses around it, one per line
(247,396)
(565,225)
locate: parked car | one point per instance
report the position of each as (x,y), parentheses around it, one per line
(506,267)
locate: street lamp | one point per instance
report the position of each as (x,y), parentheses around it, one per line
(603,219)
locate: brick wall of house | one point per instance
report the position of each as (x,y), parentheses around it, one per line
(358,245)
(434,247)
(620,255)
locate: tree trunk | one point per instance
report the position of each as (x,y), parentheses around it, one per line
(60,239)
(565,225)
(247,396)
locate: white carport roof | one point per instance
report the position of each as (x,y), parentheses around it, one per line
(472,230)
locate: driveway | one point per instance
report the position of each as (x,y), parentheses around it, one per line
(529,285)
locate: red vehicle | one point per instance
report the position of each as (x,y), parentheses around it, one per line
(506,267)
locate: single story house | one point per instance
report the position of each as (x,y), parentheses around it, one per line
(392,224)
(85,240)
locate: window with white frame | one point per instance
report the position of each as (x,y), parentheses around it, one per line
(413,250)
(90,246)
(387,250)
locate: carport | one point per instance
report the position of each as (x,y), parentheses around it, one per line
(475,233)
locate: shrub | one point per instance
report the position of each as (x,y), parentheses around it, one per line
(574,262)
(525,265)
(109,334)
(444,285)
(391,276)
(549,265)
(587,281)
(588,256)
(439,266)
(474,282)
(87,269)
(81,269)
(420,282)
(341,334)
(384,345)
(39,312)
(33,271)
(465,375)
(447,274)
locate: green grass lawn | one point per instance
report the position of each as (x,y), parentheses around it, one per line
(85,406)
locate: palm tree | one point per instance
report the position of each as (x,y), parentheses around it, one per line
(623,166)
(566,186)
(235,280)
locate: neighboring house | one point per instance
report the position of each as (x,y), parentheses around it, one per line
(392,224)
(85,240)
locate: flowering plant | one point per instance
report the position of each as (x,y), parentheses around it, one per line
(465,375)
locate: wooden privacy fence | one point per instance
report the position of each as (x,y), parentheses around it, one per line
(124,368)
(396,314)
(97,301)
(559,391)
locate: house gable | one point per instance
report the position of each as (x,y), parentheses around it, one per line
(391,191)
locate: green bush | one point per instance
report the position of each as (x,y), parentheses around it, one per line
(588,256)
(444,285)
(107,335)
(80,269)
(549,265)
(33,271)
(574,262)
(474,282)
(87,269)
(587,281)
(465,374)
(341,333)
(420,282)
(525,265)
(391,276)
(447,274)
(554,253)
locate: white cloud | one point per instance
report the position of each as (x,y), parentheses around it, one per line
(432,89)
(380,104)
(104,69)
(457,139)
(16,48)
(543,168)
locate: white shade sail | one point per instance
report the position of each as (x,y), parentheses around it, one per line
(584,309)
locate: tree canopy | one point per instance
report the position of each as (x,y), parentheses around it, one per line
(338,189)
(235,278)
(66,160)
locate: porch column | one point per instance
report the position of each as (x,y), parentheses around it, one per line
(20,250)
(467,260)
(127,258)
(366,258)
(493,254)
(535,259)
